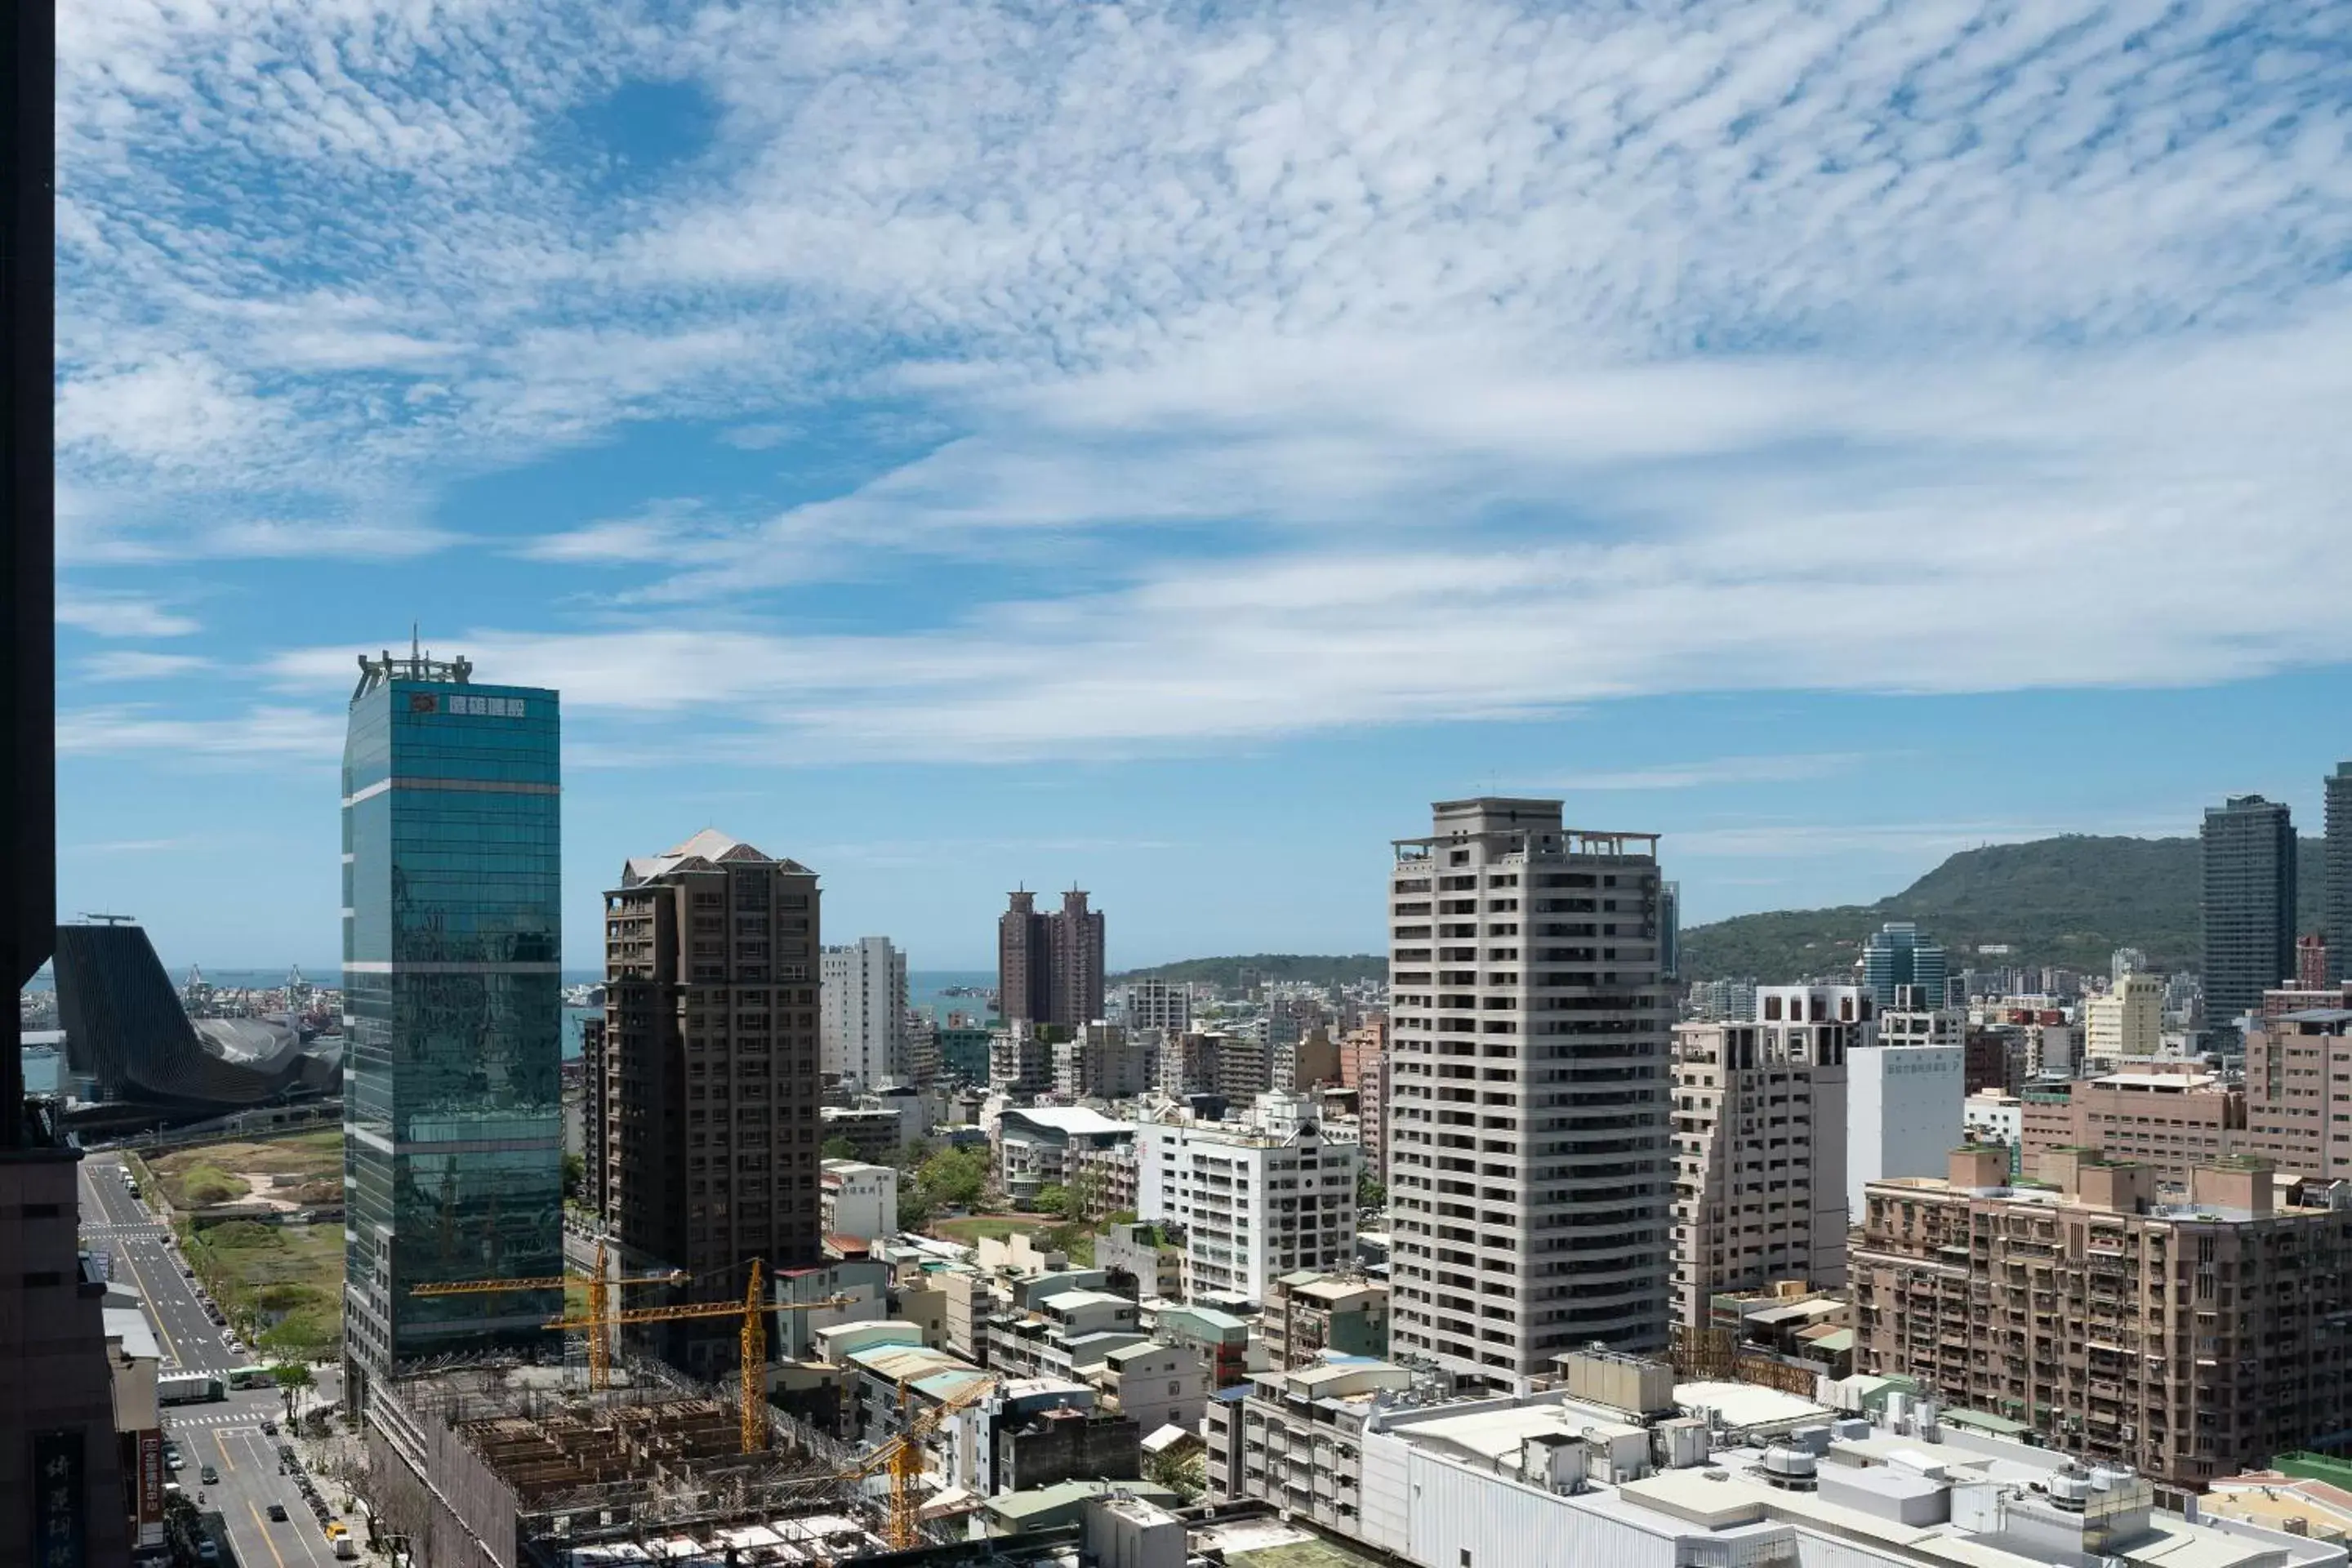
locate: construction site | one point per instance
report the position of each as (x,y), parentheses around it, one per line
(515,1464)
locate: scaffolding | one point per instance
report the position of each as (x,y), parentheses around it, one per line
(657,1456)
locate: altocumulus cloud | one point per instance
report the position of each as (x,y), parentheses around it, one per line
(1409,360)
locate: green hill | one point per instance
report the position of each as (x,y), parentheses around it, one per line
(2071,901)
(1315,969)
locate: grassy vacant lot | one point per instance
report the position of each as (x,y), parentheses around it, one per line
(1074,1239)
(971,1228)
(281,1285)
(225,1173)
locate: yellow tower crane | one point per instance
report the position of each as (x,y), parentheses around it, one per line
(600,1348)
(902,1455)
(753,1395)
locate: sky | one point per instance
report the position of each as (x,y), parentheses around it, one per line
(1163,449)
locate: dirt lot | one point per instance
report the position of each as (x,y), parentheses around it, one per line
(235,1173)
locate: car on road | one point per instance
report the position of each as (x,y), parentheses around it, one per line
(278,1513)
(211,1476)
(268,1427)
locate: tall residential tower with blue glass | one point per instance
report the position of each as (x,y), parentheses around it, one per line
(453,1133)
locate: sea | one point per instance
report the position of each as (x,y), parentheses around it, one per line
(928,990)
(932,991)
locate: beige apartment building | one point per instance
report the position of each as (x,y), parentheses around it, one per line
(1760,1126)
(2168,1121)
(2128,1020)
(707,1092)
(2299,1090)
(2190,1340)
(1528,1171)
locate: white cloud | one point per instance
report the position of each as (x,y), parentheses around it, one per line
(120,614)
(261,734)
(1889,556)
(170,411)
(1790,769)
(130,664)
(670,532)
(1381,364)
(349,540)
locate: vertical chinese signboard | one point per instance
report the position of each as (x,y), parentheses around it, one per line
(150,1489)
(56,1500)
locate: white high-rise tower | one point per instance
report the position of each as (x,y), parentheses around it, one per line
(862,1018)
(1528,1170)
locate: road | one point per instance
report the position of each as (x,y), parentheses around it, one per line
(112,1221)
(227,1436)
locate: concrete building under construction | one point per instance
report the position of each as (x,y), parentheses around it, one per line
(518,1466)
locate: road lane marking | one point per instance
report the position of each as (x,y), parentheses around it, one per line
(262,1525)
(153,1311)
(222,1438)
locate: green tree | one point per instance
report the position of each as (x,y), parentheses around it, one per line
(1371,1192)
(838,1148)
(1184,1471)
(293,1380)
(1054,1199)
(955,1177)
(575,1175)
(915,1207)
(911,1155)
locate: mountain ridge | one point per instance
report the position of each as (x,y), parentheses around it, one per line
(2070,900)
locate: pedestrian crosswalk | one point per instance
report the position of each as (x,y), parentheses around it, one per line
(181,1419)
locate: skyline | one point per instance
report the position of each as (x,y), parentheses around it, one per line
(1738,847)
(1165,451)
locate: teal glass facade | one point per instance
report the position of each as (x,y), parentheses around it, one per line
(452,943)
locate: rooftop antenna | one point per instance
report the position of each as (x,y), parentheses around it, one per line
(109,919)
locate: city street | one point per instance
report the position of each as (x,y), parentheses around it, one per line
(227,1434)
(144,1259)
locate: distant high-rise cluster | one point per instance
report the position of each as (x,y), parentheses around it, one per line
(1049,965)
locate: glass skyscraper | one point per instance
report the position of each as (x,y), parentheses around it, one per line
(2248,906)
(2335,914)
(1896,954)
(452,943)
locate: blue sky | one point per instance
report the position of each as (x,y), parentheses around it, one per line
(1165,447)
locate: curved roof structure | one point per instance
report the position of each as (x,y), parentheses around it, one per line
(125,1027)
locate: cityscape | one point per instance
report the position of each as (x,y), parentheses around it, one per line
(1924,1249)
(1501,784)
